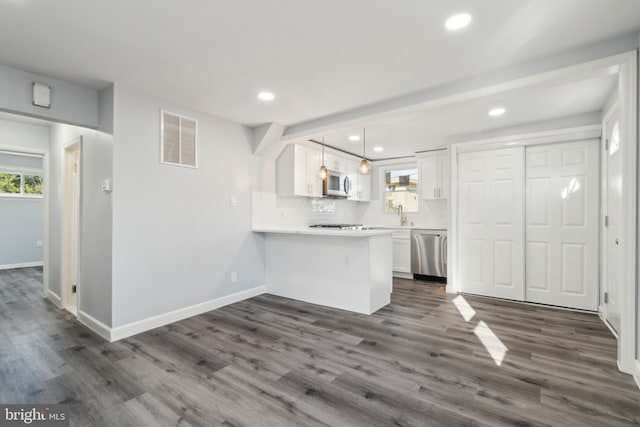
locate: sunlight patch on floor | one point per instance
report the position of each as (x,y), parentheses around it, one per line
(464,308)
(496,349)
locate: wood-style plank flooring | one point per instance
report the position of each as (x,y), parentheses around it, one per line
(270,361)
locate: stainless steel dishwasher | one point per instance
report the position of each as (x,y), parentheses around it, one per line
(429,253)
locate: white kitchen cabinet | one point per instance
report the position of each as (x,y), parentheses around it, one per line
(335,162)
(434,175)
(352,174)
(360,184)
(401,251)
(364,187)
(298,171)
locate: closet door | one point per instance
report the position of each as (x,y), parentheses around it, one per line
(491,223)
(562,224)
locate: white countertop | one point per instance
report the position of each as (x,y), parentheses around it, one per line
(322,231)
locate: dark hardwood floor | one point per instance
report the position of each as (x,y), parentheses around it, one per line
(270,361)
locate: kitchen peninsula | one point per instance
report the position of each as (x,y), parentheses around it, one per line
(345,269)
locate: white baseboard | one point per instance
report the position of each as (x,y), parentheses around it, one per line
(134,328)
(636,374)
(55,298)
(95,325)
(401,275)
(21,265)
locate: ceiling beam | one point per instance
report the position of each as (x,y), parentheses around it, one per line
(585,62)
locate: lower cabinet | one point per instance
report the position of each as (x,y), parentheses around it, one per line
(401,251)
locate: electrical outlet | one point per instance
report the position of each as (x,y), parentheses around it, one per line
(234,277)
(234,201)
(39,243)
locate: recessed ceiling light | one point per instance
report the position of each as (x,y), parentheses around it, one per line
(457,22)
(378,149)
(354,138)
(266,96)
(495,112)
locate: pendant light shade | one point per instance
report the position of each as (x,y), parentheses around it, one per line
(365,166)
(324,173)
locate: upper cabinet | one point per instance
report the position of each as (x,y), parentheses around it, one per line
(335,162)
(434,175)
(360,184)
(298,171)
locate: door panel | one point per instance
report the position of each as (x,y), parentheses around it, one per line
(562,224)
(491,223)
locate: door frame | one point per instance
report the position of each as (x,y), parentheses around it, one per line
(625,66)
(73,145)
(604,198)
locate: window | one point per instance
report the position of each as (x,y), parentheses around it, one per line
(178,140)
(401,189)
(19,184)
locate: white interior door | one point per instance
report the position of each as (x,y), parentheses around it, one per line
(562,224)
(70,227)
(612,256)
(491,223)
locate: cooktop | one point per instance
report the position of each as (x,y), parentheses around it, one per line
(340,226)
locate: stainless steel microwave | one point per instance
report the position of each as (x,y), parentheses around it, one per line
(336,185)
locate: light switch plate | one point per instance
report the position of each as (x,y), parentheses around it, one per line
(106,185)
(41,95)
(234,201)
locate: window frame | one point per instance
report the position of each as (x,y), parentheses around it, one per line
(22,172)
(383,186)
(180,118)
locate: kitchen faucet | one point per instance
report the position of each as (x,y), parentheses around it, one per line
(403,217)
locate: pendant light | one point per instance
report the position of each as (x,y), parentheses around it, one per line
(324,173)
(365,166)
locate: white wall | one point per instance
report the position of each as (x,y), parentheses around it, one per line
(95,222)
(176,239)
(70,103)
(22,217)
(22,228)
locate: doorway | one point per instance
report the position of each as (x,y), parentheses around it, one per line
(71,190)
(612,211)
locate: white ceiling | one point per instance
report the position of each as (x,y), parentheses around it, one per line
(319,57)
(434,128)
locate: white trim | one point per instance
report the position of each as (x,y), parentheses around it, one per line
(55,298)
(636,374)
(528,139)
(22,265)
(628,101)
(139,326)
(95,325)
(401,275)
